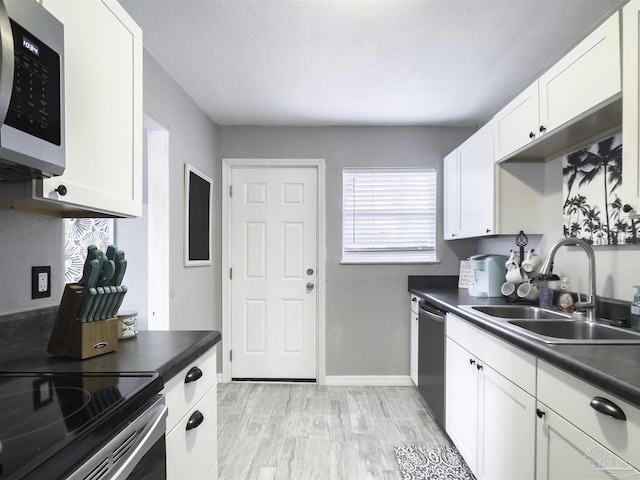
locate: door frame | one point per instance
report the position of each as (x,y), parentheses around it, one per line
(228,164)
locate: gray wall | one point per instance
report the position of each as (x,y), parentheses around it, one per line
(367,305)
(194,291)
(26,241)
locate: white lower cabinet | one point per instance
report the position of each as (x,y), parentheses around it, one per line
(576,436)
(489,417)
(565,452)
(506,426)
(190,452)
(462,401)
(192,425)
(413,348)
(514,417)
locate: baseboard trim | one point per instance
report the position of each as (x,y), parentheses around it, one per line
(368,381)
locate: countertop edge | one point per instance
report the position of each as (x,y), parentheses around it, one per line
(606,380)
(182,360)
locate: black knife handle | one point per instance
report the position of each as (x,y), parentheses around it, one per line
(192,375)
(195,420)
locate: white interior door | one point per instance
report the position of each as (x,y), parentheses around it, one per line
(274,256)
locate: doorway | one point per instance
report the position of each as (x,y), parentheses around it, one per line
(273,270)
(144,237)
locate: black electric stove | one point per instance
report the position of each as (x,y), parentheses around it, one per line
(50,422)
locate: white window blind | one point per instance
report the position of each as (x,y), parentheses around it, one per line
(389,215)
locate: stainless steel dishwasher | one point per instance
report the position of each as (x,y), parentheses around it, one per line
(431,358)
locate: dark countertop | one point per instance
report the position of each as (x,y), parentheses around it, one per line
(615,368)
(165,352)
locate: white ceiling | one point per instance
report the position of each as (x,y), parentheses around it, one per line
(360,62)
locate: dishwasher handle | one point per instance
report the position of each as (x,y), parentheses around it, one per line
(431,312)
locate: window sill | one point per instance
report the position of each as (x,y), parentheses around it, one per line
(389,262)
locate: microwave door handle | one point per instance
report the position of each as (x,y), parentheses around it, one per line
(7,62)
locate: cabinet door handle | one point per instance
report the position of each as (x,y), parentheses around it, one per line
(479,367)
(542,129)
(539,413)
(61,190)
(472,361)
(607,407)
(195,420)
(532,135)
(192,375)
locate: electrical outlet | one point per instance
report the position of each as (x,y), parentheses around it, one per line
(40,282)
(43,282)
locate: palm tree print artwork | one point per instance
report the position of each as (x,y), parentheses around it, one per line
(592,208)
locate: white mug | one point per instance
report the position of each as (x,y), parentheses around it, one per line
(508,289)
(528,291)
(515,275)
(532,262)
(514,259)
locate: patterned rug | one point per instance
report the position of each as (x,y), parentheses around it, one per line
(431,463)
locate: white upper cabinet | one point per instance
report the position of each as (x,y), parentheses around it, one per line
(103,90)
(451,194)
(469,186)
(631,106)
(476,183)
(587,76)
(482,198)
(518,123)
(103,95)
(574,96)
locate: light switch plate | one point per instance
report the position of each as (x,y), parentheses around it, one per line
(40,282)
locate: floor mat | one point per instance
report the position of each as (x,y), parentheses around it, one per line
(429,462)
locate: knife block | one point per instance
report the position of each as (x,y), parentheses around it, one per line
(71,338)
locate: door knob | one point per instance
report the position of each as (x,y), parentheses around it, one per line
(310,286)
(309,271)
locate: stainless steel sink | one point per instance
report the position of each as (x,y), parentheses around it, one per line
(552,327)
(519,311)
(575,331)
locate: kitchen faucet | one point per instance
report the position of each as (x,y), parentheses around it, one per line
(547,267)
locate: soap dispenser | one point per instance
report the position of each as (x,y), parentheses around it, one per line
(565,300)
(635,309)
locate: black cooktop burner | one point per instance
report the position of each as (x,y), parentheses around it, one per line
(42,414)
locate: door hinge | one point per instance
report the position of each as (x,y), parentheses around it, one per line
(231,274)
(230,355)
(231,190)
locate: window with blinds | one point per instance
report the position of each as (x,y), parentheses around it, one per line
(389,215)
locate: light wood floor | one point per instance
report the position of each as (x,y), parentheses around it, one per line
(301,431)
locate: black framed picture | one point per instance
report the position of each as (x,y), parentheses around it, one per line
(197,229)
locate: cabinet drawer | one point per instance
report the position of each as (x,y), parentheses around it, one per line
(182,397)
(190,453)
(509,361)
(570,397)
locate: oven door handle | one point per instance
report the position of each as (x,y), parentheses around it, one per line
(152,432)
(144,431)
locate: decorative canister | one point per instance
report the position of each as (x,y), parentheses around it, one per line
(128,320)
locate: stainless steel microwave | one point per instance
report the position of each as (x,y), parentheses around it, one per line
(32,136)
